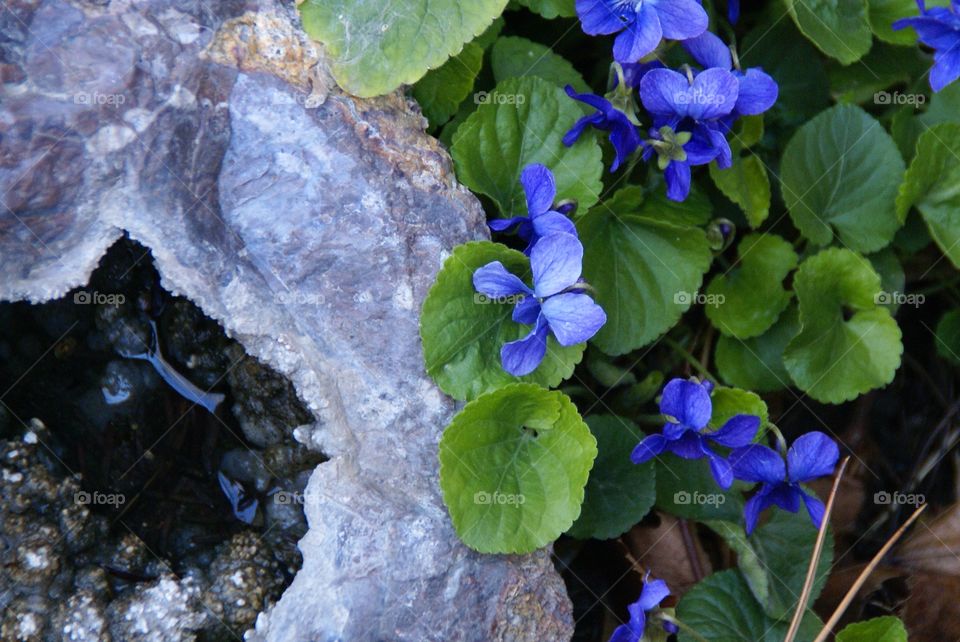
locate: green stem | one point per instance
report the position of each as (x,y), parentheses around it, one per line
(781,442)
(689,358)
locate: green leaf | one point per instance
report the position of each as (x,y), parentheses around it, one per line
(835,358)
(757,363)
(745,183)
(932,185)
(948,337)
(880,629)
(644,271)
(892,278)
(749,131)
(840,174)
(796,66)
(728,402)
(913,236)
(442,90)
(523,122)
(551,9)
(375,48)
(488,37)
(839,28)
(883,13)
(748,562)
(907,125)
(514,57)
(463,331)
(721,609)
(513,466)
(619,493)
(695,210)
(783,546)
(751,297)
(884,66)
(686,488)
(466,108)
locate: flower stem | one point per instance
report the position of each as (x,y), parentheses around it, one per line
(781,442)
(689,358)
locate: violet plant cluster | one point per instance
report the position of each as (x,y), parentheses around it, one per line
(689,112)
(687,407)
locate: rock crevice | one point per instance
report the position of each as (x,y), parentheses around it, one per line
(311,225)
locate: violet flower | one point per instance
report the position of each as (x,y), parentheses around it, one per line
(811,456)
(688,408)
(554,305)
(540,189)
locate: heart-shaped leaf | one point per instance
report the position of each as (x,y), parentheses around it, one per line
(848,343)
(747,184)
(374,47)
(515,57)
(840,174)
(879,629)
(645,272)
(522,121)
(513,466)
(442,90)
(721,607)
(839,28)
(751,297)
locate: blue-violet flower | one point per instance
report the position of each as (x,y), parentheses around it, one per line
(623,132)
(688,409)
(694,104)
(733,11)
(938,28)
(811,456)
(650,597)
(677,152)
(641,23)
(540,189)
(554,305)
(757,91)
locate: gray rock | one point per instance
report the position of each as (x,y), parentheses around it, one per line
(310,224)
